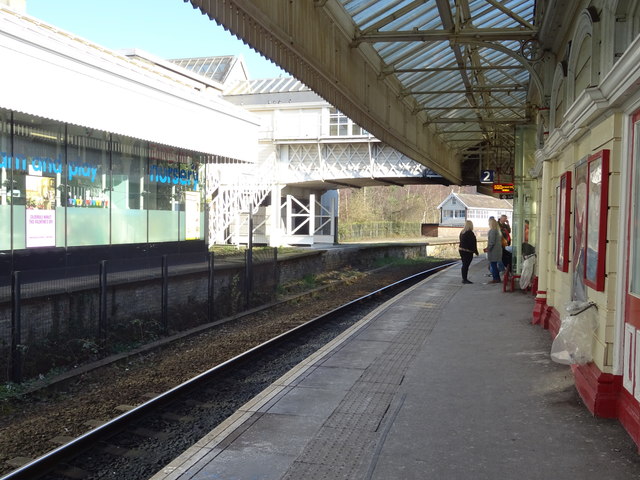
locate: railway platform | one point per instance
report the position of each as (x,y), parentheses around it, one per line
(445,381)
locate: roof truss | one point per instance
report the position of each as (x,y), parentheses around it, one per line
(462,64)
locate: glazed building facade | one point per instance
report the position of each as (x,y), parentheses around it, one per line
(68,186)
(103,148)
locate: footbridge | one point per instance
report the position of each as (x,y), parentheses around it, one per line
(290,198)
(308,149)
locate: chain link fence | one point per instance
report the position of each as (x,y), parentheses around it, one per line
(57,318)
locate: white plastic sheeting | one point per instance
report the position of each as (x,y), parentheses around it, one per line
(52,74)
(572,345)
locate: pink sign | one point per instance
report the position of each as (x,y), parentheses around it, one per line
(41,228)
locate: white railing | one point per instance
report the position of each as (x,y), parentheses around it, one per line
(324,219)
(229,201)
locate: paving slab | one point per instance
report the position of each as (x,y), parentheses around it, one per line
(446,381)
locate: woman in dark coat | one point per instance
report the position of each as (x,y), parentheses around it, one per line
(468,246)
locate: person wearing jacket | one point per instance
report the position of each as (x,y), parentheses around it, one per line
(468,246)
(505,229)
(494,249)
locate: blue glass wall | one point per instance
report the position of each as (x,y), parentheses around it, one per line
(64,185)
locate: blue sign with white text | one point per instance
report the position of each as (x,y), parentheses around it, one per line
(486,176)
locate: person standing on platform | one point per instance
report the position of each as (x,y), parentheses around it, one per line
(505,229)
(494,249)
(468,246)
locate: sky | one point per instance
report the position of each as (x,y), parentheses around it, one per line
(166,28)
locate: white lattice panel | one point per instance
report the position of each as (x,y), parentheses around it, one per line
(347,160)
(388,162)
(326,161)
(231,195)
(304,159)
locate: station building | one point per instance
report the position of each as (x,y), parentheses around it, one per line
(99,148)
(586,169)
(456,208)
(124,148)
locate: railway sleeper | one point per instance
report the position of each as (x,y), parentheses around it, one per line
(123,452)
(18,462)
(148,433)
(73,473)
(174,417)
(61,439)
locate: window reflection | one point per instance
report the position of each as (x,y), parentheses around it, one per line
(35,173)
(129,158)
(66,185)
(86,179)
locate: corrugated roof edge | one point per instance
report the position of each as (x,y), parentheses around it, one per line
(173,79)
(268,85)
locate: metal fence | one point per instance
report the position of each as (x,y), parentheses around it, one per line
(57,318)
(368,230)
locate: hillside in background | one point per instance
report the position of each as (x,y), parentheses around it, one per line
(410,204)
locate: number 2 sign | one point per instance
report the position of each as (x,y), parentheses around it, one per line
(486,176)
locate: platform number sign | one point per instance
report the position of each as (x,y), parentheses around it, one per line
(486,176)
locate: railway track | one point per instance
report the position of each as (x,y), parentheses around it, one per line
(145,438)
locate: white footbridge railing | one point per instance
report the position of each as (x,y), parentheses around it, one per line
(229,200)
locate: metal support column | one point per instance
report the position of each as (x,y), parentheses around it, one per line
(248,264)
(210,291)
(165,294)
(102,318)
(16,329)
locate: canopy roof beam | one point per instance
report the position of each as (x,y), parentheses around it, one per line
(487,34)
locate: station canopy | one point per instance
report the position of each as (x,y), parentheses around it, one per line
(466,64)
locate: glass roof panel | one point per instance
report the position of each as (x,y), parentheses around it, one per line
(454,59)
(424,18)
(215,68)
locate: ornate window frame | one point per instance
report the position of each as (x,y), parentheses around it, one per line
(563,225)
(558,94)
(596,219)
(587,31)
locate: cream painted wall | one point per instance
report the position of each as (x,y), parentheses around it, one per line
(593,118)
(606,133)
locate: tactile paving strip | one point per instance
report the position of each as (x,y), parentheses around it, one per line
(345,445)
(321,457)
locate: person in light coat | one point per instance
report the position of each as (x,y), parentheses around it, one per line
(494,249)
